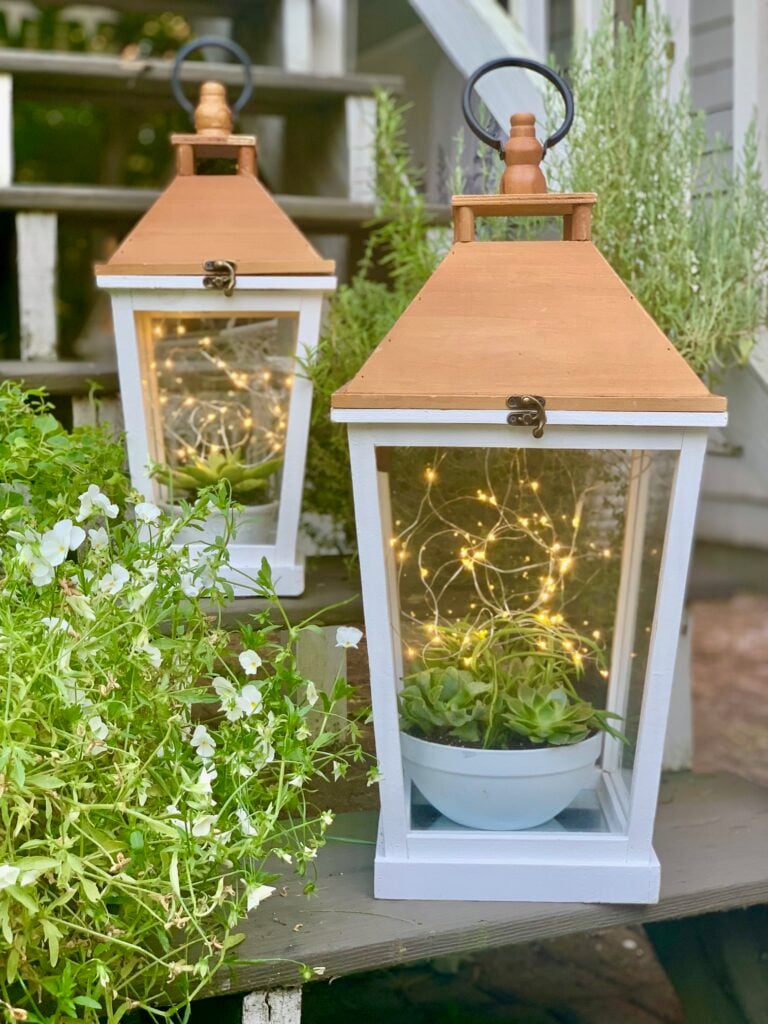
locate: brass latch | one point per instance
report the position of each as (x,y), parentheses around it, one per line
(220,274)
(527,411)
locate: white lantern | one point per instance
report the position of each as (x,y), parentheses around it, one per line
(216,299)
(526,451)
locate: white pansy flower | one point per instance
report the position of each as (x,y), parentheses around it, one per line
(56,624)
(81,606)
(229,697)
(9,875)
(206,777)
(250,661)
(297,782)
(146,512)
(203,824)
(249,699)
(99,538)
(153,653)
(255,894)
(140,597)
(55,544)
(178,822)
(40,569)
(190,585)
(246,825)
(327,818)
(100,731)
(113,581)
(203,743)
(263,753)
(348,636)
(93,501)
(311,693)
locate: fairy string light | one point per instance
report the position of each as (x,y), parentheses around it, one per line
(222,387)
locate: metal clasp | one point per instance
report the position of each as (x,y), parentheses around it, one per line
(527,411)
(221,274)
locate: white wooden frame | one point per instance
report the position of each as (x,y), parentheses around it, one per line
(619,866)
(300,296)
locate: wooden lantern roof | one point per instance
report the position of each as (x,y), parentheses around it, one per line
(206,217)
(544,318)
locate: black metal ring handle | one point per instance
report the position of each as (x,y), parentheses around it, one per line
(530,65)
(223,44)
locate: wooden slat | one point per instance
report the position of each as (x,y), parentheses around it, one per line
(61,377)
(43,72)
(316,212)
(711,838)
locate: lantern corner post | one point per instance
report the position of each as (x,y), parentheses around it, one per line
(665,631)
(373,521)
(132,392)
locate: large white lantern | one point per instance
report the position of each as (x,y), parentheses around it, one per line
(216,299)
(526,450)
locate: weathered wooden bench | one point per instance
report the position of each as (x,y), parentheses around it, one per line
(711,838)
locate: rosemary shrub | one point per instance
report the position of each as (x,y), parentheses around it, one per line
(688,236)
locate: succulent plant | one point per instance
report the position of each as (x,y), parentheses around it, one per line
(249,483)
(516,688)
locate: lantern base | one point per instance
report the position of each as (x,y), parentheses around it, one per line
(563,881)
(245,564)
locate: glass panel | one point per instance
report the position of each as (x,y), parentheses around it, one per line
(218,391)
(508,570)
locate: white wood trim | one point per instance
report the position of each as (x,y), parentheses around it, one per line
(330,36)
(750,74)
(278,1006)
(678,743)
(665,635)
(481,436)
(187,283)
(533,18)
(554,418)
(586,17)
(360,127)
(6,130)
(296,35)
(37,259)
(372,536)
(132,393)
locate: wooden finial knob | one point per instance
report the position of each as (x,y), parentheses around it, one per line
(212,115)
(522,154)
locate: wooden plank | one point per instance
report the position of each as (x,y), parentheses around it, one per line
(281,1006)
(6,130)
(312,212)
(61,377)
(526,318)
(711,837)
(36,262)
(42,72)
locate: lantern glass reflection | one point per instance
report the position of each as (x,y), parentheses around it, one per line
(568,542)
(219,388)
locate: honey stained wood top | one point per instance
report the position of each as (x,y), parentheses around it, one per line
(511,318)
(215,217)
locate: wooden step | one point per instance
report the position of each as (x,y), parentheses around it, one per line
(41,73)
(711,838)
(314,213)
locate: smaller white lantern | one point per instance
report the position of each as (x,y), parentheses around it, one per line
(526,451)
(217,299)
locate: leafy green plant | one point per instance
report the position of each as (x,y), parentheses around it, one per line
(361,313)
(151,775)
(687,235)
(45,465)
(248,484)
(515,687)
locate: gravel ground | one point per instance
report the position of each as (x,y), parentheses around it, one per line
(605,977)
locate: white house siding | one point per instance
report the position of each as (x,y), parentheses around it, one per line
(711,66)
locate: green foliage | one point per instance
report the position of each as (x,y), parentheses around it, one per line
(43,464)
(150,777)
(361,313)
(687,236)
(248,484)
(515,687)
